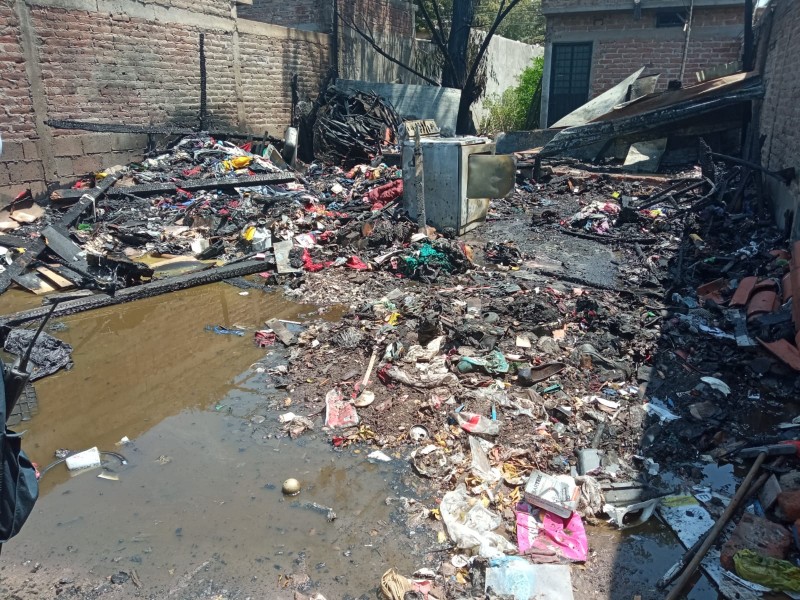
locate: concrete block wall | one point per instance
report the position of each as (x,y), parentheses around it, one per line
(136,62)
(780,109)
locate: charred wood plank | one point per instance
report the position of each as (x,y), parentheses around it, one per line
(16,268)
(150,130)
(147,290)
(191,185)
(87,198)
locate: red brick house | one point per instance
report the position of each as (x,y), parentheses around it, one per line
(591,45)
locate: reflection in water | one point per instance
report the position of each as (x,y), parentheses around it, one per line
(199,485)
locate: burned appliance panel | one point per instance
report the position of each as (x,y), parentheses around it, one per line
(452,176)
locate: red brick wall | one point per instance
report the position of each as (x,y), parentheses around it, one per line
(115,68)
(16,109)
(20,159)
(378,16)
(780,109)
(614,57)
(140,70)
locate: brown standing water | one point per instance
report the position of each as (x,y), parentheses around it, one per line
(200,498)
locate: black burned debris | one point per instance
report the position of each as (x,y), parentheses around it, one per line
(581,358)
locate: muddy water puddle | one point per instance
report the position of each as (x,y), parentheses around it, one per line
(200,497)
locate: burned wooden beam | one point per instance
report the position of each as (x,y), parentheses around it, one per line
(150,130)
(147,290)
(16,268)
(628,121)
(13,241)
(191,185)
(87,198)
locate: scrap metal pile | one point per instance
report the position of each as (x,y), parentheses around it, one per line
(353,127)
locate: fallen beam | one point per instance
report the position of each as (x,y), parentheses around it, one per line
(650,121)
(152,130)
(87,198)
(139,292)
(190,185)
(16,268)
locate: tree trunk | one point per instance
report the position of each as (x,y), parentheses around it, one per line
(455,76)
(464,122)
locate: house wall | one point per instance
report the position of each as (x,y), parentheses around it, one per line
(136,63)
(780,109)
(622,43)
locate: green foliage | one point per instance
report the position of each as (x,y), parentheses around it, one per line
(525,22)
(518,107)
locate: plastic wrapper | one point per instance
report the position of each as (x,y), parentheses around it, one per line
(770,572)
(470,525)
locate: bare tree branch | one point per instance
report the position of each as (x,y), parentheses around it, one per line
(502,13)
(371,41)
(439,19)
(438,38)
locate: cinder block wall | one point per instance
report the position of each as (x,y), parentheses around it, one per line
(780,109)
(136,62)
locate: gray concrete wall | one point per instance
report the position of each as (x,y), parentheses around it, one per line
(505,62)
(417,101)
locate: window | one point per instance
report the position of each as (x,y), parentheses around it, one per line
(671,18)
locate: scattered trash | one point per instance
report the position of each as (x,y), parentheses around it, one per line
(338,411)
(545,537)
(470,525)
(557,494)
(778,575)
(291,487)
(88,459)
(515,577)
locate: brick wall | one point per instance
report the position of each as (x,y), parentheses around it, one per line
(561,6)
(314,15)
(384,17)
(140,66)
(16,107)
(268,69)
(114,67)
(622,44)
(780,109)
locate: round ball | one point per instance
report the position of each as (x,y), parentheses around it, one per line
(291,487)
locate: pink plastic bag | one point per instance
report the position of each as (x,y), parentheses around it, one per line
(539,530)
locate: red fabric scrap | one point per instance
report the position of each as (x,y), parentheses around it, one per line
(192,172)
(384,194)
(310,265)
(356,263)
(383,374)
(264,338)
(325,237)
